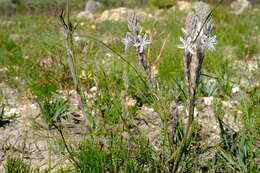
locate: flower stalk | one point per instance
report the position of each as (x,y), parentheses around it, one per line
(196,40)
(69,30)
(134,38)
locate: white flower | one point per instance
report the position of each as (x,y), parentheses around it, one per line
(187,45)
(128,40)
(208,42)
(142,43)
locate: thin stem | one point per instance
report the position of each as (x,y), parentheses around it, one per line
(69,29)
(188,133)
(68,149)
(147,68)
(177,155)
(179,86)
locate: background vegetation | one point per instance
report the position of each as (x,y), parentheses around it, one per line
(33,61)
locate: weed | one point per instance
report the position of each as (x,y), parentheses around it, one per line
(16,165)
(53,110)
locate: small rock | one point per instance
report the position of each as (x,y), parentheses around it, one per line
(115,14)
(93,89)
(15,37)
(240,6)
(183,6)
(8,23)
(196,112)
(108,55)
(93,6)
(130,102)
(200,4)
(253,64)
(228,104)
(121,14)
(4,69)
(181,108)
(12,111)
(208,100)
(77,38)
(126,136)
(85,15)
(235,89)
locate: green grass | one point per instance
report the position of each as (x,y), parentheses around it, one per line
(14,165)
(105,149)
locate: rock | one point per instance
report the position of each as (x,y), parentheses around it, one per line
(201,5)
(240,6)
(8,23)
(93,6)
(207,100)
(253,64)
(118,14)
(15,37)
(115,14)
(85,15)
(235,89)
(183,6)
(150,125)
(121,14)
(130,102)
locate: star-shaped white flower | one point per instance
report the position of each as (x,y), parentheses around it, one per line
(187,45)
(209,42)
(128,40)
(142,43)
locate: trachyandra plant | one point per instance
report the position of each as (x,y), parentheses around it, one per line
(136,39)
(196,40)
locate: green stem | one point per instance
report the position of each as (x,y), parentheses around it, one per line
(70,59)
(177,155)
(68,149)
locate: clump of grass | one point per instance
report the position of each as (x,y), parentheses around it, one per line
(16,165)
(53,110)
(92,158)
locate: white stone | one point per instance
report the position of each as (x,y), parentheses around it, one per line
(93,89)
(83,15)
(12,111)
(130,101)
(240,6)
(93,6)
(208,100)
(183,5)
(235,89)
